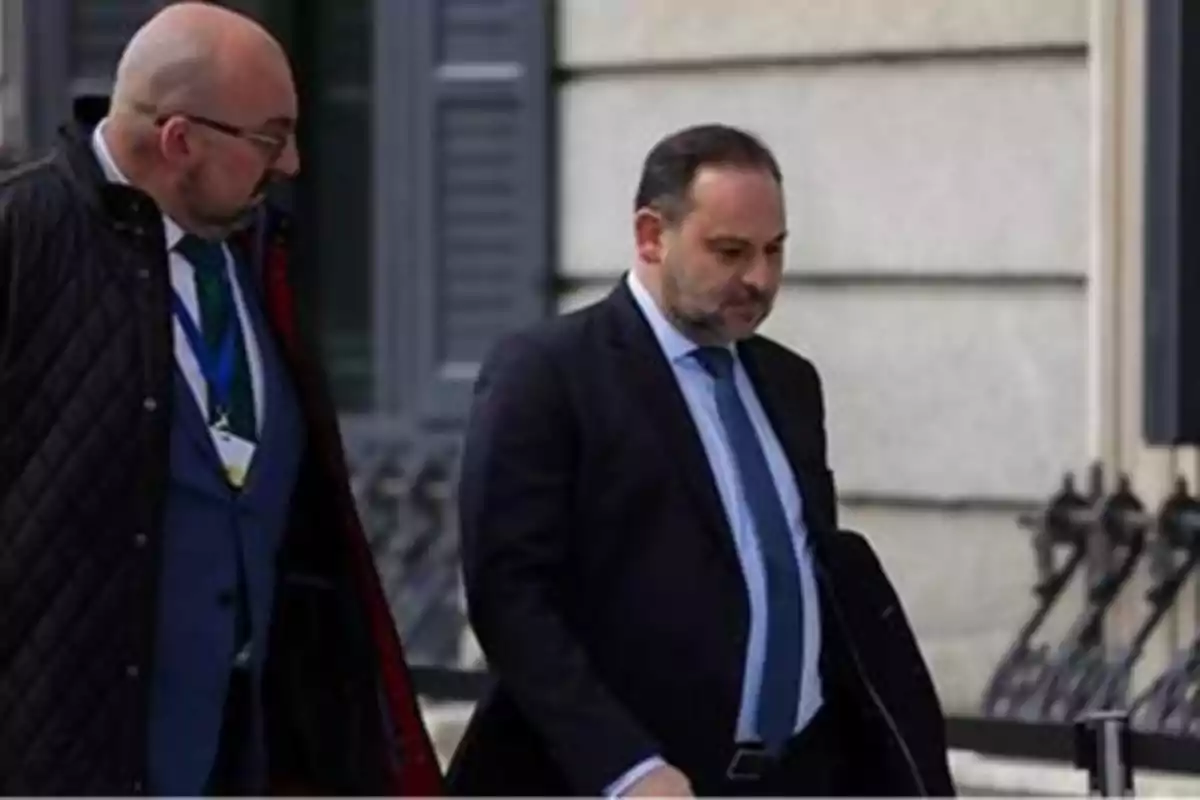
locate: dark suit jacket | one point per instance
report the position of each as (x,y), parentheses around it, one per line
(605,590)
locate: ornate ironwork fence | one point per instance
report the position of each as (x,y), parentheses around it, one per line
(404,485)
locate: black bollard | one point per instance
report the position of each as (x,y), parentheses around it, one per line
(1103,748)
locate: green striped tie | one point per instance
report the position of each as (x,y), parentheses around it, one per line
(217,309)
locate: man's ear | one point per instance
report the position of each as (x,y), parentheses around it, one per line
(173,142)
(649,229)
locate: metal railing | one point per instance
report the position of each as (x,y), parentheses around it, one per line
(1068,701)
(404,487)
(1107,537)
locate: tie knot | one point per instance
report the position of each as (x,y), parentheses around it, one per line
(203,253)
(717,361)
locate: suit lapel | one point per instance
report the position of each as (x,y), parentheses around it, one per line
(797,427)
(643,360)
(270,427)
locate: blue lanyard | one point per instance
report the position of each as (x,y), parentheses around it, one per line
(217,367)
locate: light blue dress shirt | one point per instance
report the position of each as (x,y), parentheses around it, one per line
(698,391)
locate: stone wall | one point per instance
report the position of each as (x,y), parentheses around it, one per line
(936,161)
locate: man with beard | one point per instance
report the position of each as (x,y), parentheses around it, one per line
(652,562)
(190,606)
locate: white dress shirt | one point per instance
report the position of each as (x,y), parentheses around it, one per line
(183,281)
(696,386)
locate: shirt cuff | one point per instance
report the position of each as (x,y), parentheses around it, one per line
(622,784)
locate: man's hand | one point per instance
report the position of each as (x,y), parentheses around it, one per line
(664,781)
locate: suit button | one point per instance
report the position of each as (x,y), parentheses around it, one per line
(140,540)
(150,404)
(143,273)
(132,671)
(135,787)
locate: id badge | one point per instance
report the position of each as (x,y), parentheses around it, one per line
(236,454)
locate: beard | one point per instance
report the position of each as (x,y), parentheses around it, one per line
(224,220)
(705,322)
(700,325)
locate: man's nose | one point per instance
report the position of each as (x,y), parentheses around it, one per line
(288,163)
(762,273)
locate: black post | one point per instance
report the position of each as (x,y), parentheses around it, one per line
(1102,747)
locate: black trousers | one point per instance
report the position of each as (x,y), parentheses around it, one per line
(231,773)
(809,765)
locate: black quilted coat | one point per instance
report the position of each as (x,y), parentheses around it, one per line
(86,366)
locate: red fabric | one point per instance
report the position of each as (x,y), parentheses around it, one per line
(279,296)
(418,773)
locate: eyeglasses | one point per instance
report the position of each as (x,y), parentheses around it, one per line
(272,144)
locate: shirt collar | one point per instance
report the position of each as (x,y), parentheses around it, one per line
(171,228)
(675,346)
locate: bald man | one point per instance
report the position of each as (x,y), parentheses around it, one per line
(190,606)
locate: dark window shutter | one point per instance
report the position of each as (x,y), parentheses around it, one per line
(72,49)
(97,31)
(475,133)
(333,243)
(1171,330)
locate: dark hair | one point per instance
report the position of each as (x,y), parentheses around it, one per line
(672,164)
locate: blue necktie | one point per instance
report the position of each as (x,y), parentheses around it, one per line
(780,691)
